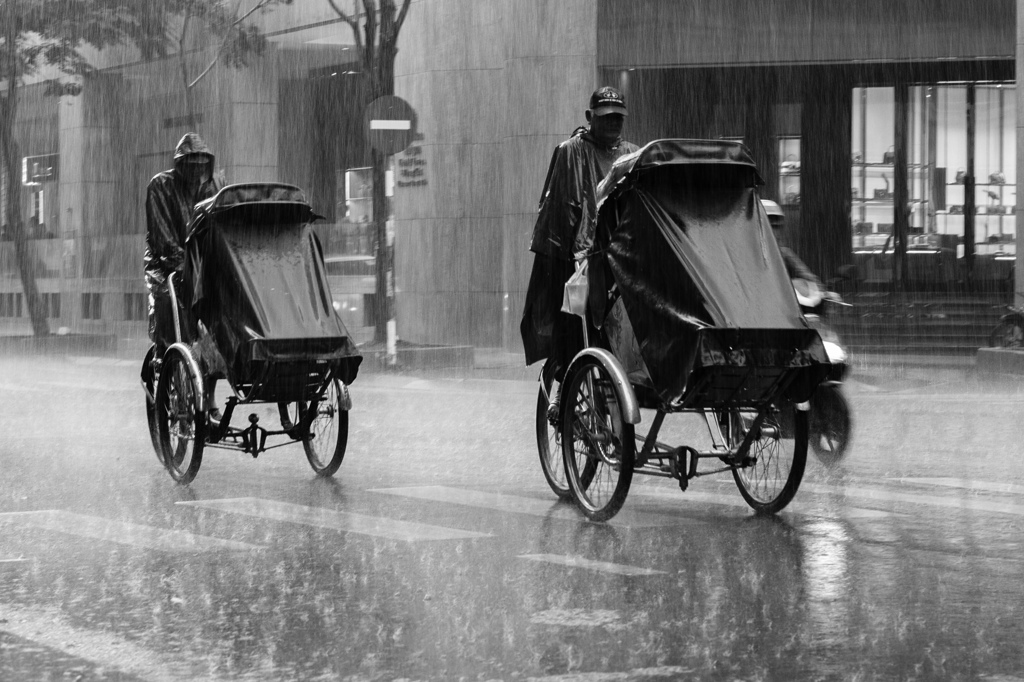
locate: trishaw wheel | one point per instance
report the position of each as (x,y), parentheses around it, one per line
(149,379)
(328,432)
(181,419)
(829,425)
(776,459)
(549,438)
(598,445)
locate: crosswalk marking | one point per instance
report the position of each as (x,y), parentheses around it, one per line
(735,500)
(668,672)
(50,627)
(122,532)
(349,522)
(529,506)
(580,562)
(984,486)
(884,495)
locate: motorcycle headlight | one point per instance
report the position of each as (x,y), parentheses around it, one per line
(835,352)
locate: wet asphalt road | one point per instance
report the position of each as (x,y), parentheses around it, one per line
(439,553)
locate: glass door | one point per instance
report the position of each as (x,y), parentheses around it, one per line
(873,167)
(994,169)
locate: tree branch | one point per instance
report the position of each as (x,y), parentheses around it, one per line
(401,16)
(353,24)
(220,50)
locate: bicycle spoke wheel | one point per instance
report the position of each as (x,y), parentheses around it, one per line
(775,463)
(549,438)
(180,417)
(328,432)
(598,446)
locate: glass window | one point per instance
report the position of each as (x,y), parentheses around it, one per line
(873,152)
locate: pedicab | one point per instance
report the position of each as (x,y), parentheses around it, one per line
(686,307)
(252,307)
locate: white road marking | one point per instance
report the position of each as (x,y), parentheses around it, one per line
(736,500)
(986,486)
(122,532)
(529,506)
(407,531)
(671,672)
(580,562)
(47,627)
(885,495)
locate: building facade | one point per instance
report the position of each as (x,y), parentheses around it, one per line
(887,130)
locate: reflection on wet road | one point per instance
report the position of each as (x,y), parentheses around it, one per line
(439,553)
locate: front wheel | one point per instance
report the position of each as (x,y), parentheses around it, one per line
(327,439)
(774,466)
(549,438)
(180,415)
(830,424)
(598,445)
(1009,333)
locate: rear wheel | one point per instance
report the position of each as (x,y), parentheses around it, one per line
(776,460)
(181,419)
(327,439)
(598,446)
(549,438)
(829,424)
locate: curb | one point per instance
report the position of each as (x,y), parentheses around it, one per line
(1000,361)
(54,344)
(419,357)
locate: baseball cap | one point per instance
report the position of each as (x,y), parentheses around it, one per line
(607,100)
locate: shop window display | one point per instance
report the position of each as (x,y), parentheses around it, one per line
(961,178)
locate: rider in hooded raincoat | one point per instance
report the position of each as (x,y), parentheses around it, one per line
(170,199)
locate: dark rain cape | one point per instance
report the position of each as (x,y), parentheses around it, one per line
(564,227)
(703,310)
(259,283)
(169,210)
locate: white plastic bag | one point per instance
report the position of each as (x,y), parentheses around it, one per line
(574,300)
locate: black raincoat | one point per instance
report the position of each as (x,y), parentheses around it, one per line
(565,227)
(169,207)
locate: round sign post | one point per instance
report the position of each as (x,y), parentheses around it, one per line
(390,124)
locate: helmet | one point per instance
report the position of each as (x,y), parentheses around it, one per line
(774,211)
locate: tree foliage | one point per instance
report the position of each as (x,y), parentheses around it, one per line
(44,41)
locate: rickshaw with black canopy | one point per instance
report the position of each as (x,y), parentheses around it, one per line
(253,307)
(694,313)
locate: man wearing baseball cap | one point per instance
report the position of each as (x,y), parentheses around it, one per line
(565,229)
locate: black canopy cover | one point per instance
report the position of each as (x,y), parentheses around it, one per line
(682,233)
(258,281)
